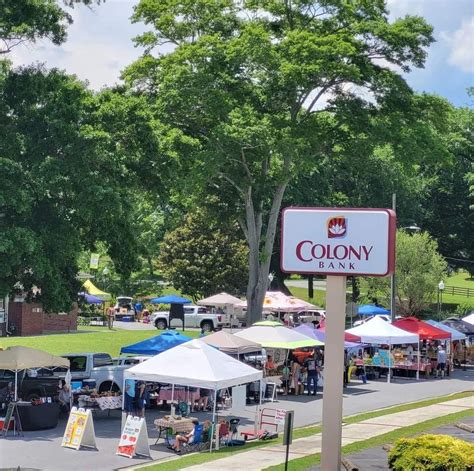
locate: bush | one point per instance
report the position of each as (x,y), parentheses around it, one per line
(431,453)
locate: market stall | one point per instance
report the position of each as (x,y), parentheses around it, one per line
(380,332)
(198,365)
(226,304)
(94,291)
(41,413)
(426,332)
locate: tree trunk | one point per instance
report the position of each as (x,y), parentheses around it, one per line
(260,251)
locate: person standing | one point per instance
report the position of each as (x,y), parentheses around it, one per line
(313,372)
(111,317)
(140,398)
(129,396)
(441,358)
(295,378)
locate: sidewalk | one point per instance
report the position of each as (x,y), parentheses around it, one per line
(260,458)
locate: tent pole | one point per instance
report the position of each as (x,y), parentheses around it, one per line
(16,385)
(419,363)
(213,427)
(389,361)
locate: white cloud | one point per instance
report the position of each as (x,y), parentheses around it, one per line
(461,43)
(99,44)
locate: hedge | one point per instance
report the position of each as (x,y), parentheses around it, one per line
(431,453)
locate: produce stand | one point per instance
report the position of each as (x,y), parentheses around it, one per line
(38,417)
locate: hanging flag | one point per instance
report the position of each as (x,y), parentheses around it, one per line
(94,262)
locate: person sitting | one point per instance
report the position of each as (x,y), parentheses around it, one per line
(181,439)
(270,366)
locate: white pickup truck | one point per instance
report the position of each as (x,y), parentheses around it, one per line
(194,316)
(98,367)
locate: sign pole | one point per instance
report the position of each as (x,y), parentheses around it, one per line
(333,372)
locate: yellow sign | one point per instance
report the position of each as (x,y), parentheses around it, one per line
(79,430)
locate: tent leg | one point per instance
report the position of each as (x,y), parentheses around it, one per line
(16,385)
(213,427)
(419,363)
(389,363)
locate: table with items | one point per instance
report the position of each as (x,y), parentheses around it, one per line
(170,426)
(104,401)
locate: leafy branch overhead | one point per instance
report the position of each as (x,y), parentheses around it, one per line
(263,90)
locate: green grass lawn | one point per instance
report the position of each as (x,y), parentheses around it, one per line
(302,293)
(87,339)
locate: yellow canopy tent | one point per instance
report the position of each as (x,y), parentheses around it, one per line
(92,289)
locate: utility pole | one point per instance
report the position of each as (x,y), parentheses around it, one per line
(392,278)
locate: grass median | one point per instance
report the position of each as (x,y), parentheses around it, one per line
(196,458)
(302,464)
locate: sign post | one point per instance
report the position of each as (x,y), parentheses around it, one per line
(288,435)
(336,242)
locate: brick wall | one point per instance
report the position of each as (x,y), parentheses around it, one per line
(29,319)
(60,322)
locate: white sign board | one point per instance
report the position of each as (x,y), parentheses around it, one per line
(333,241)
(134,438)
(280,415)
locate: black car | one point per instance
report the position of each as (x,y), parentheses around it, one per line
(32,384)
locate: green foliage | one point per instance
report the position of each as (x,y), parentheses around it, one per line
(243,90)
(419,268)
(448,206)
(431,453)
(61,187)
(203,257)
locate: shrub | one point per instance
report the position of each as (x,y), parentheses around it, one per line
(431,453)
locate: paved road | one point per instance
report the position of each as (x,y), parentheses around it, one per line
(42,449)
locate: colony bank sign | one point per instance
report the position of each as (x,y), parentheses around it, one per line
(335,241)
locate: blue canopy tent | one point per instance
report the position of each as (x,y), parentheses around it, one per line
(170,299)
(157,344)
(90,299)
(371,310)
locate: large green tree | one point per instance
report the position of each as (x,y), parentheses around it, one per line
(419,268)
(448,211)
(62,186)
(204,256)
(262,87)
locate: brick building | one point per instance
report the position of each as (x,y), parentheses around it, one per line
(30,319)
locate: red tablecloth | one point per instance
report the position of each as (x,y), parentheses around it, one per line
(414,366)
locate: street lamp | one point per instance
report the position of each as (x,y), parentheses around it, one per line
(440,298)
(270,279)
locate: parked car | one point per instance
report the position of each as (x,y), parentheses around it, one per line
(129,361)
(194,316)
(32,383)
(124,308)
(98,367)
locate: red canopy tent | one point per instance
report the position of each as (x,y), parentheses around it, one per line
(424,330)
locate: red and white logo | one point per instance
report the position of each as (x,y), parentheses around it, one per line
(337,227)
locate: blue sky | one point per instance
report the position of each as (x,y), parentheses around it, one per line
(100,45)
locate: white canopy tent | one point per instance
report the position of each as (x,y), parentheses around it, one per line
(378,331)
(195,364)
(279,302)
(221,299)
(469,318)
